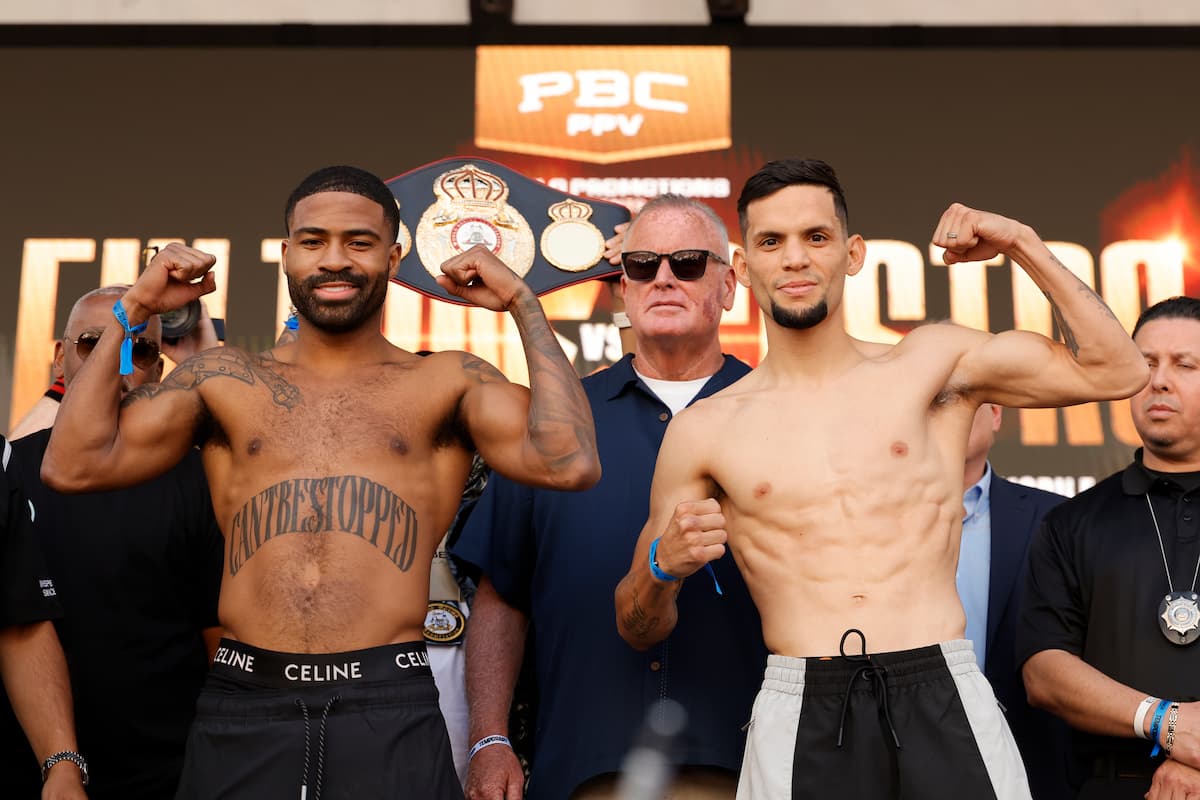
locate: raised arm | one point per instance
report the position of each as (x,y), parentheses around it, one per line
(543,436)
(689,527)
(102,442)
(1096,360)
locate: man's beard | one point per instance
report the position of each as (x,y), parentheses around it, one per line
(340,317)
(799,320)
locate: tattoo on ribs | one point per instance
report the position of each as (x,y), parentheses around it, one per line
(228,363)
(337,504)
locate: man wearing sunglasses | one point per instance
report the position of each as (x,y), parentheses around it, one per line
(550,559)
(138,572)
(332,489)
(834,473)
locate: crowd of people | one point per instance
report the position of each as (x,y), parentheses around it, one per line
(254,576)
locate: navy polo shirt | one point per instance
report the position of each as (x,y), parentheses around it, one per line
(558,556)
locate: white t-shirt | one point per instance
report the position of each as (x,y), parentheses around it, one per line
(676,394)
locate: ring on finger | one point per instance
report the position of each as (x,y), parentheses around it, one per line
(951,235)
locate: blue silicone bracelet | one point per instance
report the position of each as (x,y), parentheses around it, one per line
(663,576)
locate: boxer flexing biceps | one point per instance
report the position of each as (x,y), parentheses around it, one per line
(336,462)
(835,471)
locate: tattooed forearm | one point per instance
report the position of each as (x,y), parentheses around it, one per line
(225,363)
(1064,327)
(337,504)
(1070,340)
(637,622)
(558,403)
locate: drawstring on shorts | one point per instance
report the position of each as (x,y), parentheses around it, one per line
(320,747)
(879,683)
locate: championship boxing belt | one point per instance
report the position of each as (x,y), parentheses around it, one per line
(445,622)
(549,238)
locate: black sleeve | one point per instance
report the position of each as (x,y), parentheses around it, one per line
(26,590)
(1053,611)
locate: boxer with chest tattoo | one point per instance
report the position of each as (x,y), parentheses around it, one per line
(335,462)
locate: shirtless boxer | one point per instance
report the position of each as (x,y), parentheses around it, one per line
(335,463)
(835,471)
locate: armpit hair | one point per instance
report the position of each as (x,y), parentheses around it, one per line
(948,396)
(452,432)
(210,432)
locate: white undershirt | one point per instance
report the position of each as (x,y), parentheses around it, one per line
(676,394)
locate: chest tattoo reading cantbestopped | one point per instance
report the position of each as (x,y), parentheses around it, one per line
(338,504)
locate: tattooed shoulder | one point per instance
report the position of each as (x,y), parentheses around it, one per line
(225,362)
(481,371)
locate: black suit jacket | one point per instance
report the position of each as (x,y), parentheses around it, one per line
(1016,514)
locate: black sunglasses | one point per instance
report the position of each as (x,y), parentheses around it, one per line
(145,351)
(686,265)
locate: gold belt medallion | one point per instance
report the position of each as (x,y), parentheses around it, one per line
(472,209)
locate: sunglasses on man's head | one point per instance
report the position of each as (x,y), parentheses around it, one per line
(686,265)
(145,351)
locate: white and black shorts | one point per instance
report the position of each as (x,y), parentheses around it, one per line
(920,724)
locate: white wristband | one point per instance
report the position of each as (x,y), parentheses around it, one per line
(488,741)
(1139,718)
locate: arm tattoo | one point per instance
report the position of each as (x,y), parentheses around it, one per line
(224,363)
(481,371)
(1064,327)
(637,621)
(1069,339)
(558,398)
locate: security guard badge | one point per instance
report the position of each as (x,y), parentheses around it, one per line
(571,242)
(444,622)
(472,209)
(1179,617)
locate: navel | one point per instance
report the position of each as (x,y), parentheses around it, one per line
(399,445)
(254,446)
(899,449)
(762,490)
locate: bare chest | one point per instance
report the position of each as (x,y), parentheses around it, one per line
(856,444)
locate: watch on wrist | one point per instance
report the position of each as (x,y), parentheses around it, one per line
(66,755)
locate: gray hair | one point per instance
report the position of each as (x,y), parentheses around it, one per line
(677,202)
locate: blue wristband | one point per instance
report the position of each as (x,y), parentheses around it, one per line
(1156,724)
(127,342)
(654,568)
(663,576)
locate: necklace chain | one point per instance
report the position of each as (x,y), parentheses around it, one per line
(1163,550)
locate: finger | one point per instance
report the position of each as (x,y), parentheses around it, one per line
(949,232)
(702,523)
(515,787)
(713,552)
(708,505)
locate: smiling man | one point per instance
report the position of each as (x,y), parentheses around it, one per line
(834,473)
(336,462)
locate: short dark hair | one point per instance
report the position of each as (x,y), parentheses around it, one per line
(1171,308)
(776,175)
(345,179)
